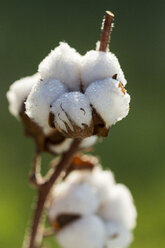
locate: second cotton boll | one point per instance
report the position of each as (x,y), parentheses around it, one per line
(82,218)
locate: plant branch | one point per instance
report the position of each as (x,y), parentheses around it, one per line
(35,177)
(44,190)
(106,31)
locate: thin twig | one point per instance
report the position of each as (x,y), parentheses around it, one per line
(44,190)
(106,31)
(35,177)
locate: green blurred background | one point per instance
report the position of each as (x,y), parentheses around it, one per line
(134,149)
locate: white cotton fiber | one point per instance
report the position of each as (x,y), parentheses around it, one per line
(40,98)
(62,147)
(102,181)
(96,65)
(72,107)
(89,141)
(118,236)
(18,93)
(109,100)
(119,207)
(63,63)
(73,199)
(65,145)
(87,232)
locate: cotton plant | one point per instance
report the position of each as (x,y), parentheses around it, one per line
(65,107)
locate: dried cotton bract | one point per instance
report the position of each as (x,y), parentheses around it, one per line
(84,95)
(85,195)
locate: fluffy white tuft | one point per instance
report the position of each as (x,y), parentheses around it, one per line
(63,63)
(110,102)
(87,232)
(118,236)
(73,106)
(96,65)
(65,145)
(19,91)
(73,199)
(102,181)
(40,98)
(119,207)
(90,141)
(62,147)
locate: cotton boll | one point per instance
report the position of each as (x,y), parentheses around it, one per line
(63,63)
(18,93)
(62,147)
(119,207)
(109,99)
(87,232)
(102,181)
(118,236)
(73,114)
(40,98)
(87,142)
(96,65)
(73,199)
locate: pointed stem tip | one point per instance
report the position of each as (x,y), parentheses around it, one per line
(106,31)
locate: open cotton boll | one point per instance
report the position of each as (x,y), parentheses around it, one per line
(96,65)
(18,93)
(109,100)
(87,232)
(71,111)
(73,199)
(119,207)
(102,181)
(40,98)
(63,63)
(118,236)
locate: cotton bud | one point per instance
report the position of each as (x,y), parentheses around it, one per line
(63,63)
(18,93)
(74,199)
(119,207)
(97,66)
(43,93)
(110,101)
(118,236)
(102,181)
(73,115)
(86,232)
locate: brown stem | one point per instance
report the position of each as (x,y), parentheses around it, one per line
(35,177)
(106,31)
(44,190)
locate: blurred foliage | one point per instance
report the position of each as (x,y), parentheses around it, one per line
(134,149)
